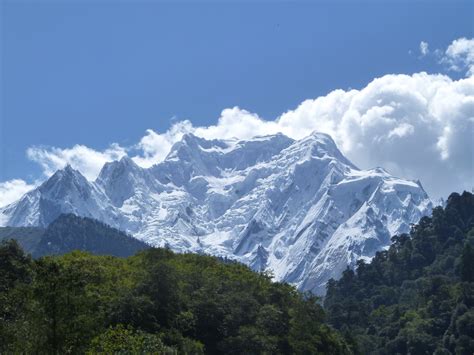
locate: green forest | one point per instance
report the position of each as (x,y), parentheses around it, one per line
(416,297)
(154,302)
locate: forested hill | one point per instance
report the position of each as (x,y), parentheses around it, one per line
(418,296)
(69,232)
(27,237)
(155,302)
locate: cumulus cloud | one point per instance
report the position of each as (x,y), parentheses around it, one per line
(12,190)
(87,160)
(459,56)
(424,48)
(418,126)
(153,147)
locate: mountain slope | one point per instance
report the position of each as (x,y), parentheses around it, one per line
(418,296)
(27,237)
(297,208)
(69,232)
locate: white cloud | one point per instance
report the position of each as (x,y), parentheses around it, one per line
(417,126)
(424,48)
(88,161)
(12,190)
(154,146)
(459,56)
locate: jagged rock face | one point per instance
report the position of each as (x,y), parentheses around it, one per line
(297,208)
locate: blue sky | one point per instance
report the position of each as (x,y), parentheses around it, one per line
(95,73)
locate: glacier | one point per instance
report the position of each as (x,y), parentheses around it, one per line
(296,208)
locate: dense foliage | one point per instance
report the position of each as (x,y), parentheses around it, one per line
(153,302)
(418,296)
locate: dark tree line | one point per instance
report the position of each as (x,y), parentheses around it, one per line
(418,296)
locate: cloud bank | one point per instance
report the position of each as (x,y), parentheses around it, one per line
(87,160)
(418,126)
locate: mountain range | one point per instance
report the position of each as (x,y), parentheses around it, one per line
(297,208)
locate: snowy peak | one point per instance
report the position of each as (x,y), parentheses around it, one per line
(322,147)
(297,208)
(123,170)
(257,150)
(62,182)
(211,157)
(195,157)
(123,179)
(114,169)
(66,191)
(191,143)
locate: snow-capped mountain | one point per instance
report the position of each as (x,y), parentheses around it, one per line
(297,208)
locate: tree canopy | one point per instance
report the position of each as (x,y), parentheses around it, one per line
(154,302)
(417,297)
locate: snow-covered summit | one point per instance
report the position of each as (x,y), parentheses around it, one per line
(297,208)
